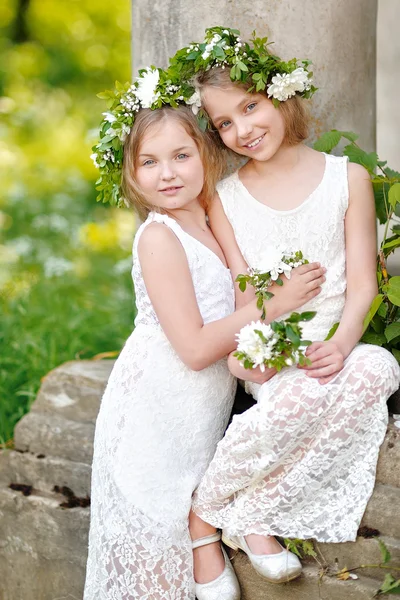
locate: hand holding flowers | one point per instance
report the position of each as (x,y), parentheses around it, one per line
(268,272)
(276,345)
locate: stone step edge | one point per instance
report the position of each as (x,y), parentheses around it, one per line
(310,581)
(44,472)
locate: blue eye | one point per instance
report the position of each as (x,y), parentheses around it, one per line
(224,124)
(182,156)
(148,162)
(251,106)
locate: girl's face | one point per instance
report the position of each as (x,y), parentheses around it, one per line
(248,124)
(168,167)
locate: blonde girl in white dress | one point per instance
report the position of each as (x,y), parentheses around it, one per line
(169,396)
(300,463)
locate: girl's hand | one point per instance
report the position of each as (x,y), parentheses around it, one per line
(327,359)
(304,284)
(253,375)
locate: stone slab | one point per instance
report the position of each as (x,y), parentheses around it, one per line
(51,435)
(74,389)
(308,586)
(382,510)
(362,552)
(44,473)
(388,469)
(42,548)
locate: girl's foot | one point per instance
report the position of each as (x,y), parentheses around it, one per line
(263,544)
(269,559)
(208,561)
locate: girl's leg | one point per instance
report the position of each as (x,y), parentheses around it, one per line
(301,463)
(208,562)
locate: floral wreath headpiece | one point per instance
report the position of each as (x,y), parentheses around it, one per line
(251,64)
(153,88)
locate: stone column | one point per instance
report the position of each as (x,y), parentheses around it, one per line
(337,35)
(388,82)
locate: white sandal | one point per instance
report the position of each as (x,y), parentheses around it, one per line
(226,585)
(275,568)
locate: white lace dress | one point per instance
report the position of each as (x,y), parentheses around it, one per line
(301,462)
(156,433)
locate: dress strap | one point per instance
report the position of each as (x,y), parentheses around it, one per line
(337,177)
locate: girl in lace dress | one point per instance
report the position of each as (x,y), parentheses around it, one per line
(169,396)
(301,462)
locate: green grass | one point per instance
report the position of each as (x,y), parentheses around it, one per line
(58,320)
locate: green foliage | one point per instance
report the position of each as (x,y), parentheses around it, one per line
(390,585)
(382,323)
(51,68)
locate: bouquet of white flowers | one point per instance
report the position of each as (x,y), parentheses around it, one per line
(276,345)
(268,271)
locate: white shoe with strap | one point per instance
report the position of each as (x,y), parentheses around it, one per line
(226,585)
(275,568)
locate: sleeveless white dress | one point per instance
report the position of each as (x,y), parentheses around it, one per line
(301,462)
(156,433)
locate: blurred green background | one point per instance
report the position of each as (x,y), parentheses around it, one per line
(65,285)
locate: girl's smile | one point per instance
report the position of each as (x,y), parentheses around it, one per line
(245,121)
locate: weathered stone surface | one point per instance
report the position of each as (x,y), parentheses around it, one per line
(307,587)
(44,473)
(55,436)
(361,552)
(382,511)
(42,548)
(388,469)
(74,390)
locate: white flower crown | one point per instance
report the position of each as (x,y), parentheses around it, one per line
(153,88)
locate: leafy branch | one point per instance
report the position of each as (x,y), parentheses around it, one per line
(382,323)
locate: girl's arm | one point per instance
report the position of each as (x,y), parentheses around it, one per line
(223,231)
(360,239)
(169,284)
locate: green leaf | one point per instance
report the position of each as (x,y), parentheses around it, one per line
(396,354)
(308,315)
(332,331)
(355,154)
(390,585)
(394,195)
(385,554)
(392,331)
(327,141)
(381,190)
(242,66)
(292,336)
(393,290)
(370,337)
(382,310)
(391,245)
(376,302)
(349,135)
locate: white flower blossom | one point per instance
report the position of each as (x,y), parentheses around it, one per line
(285,86)
(94,159)
(56,266)
(23,245)
(125,130)
(109,117)
(205,55)
(250,343)
(123,266)
(271,262)
(147,86)
(195,102)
